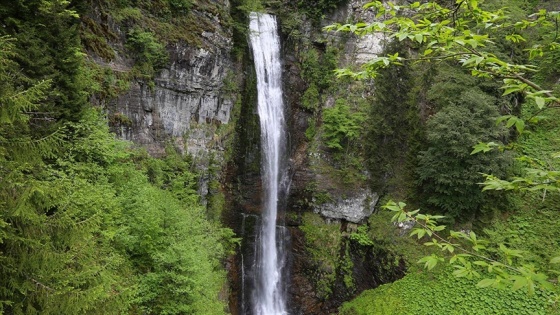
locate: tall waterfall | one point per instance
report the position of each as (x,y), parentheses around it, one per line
(268,297)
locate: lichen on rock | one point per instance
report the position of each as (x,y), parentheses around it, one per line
(353,209)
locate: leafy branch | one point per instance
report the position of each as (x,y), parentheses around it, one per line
(460,33)
(471,256)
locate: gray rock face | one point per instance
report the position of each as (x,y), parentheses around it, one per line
(359,49)
(368,46)
(185,104)
(186,94)
(353,209)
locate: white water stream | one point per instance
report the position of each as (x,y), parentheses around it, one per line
(269,294)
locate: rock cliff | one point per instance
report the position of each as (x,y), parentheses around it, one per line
(185,102)
(189,103)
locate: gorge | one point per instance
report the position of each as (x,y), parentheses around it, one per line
(235,157)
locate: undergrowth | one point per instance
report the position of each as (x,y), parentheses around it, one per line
(442,294)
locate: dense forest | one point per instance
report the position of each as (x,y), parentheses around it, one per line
(91,224)
(456,116)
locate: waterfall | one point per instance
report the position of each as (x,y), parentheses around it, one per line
(268,296)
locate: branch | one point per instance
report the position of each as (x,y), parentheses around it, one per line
(464,250)
(44,286)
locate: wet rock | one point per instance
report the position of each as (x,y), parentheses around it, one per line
(353,209)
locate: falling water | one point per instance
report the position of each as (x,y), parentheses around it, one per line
(268,296)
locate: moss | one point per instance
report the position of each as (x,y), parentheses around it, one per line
(95,38)
(346,268)
(216,201)
(104,82)
(323,241)
(120,119)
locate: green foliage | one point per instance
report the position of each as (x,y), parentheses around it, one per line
(91,225)
(175,249)
(470,255)
(463,32)
(83,230)
(150,55)
(394,131)
(388,237)
(323,241)
(310,99)
(316,9)
(441,293)
(250,6)
(182,6)
(347,269)
(50,53)
(164,8)
(361,236)
(311,130)
(57,254)
(448,173)
(341,126)
(489,42)
(318,69)
(533,226)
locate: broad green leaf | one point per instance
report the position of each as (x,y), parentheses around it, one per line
(511,89)
(483,147)
(540,102)
(419,232)
(486,283)
(449,247)
(519,282)
(520,125)
(430,261)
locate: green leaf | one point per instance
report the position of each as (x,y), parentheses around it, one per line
(419,232)
(485,283)
(510,90)
(519,283)
(511,121)
(540,102)
(519,125)
(555,260)
(480,263)
(430,261)
(483,147)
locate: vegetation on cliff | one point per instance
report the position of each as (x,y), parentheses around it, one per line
(461,51)
(91,225)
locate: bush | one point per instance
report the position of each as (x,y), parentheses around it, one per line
(341,125)
(310,98)
(150,55)
(448,173)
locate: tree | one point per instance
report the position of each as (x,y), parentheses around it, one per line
(461,31)
(47,47)
(54,257)
(395,132)
(448,174)
(341,125)
(465,32)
